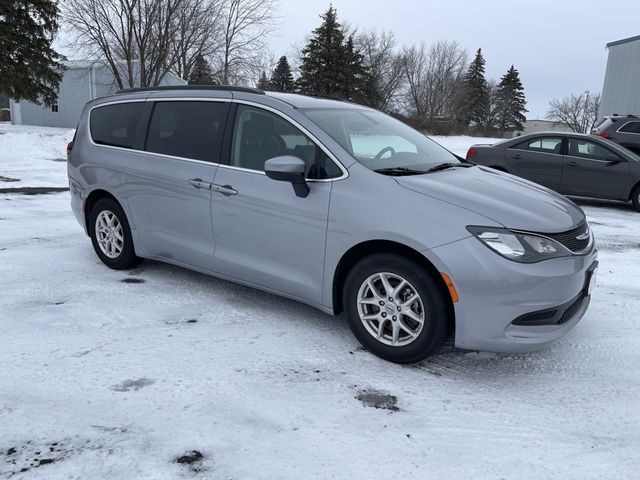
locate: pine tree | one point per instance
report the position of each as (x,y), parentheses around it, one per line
(474,100)
(282,78)
(201,73)
(510,101)
(332,66)
(29,68)
(263,82)
(358,84)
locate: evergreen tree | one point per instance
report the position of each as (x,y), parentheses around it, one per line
(474,99)
(263,82)
(29,68)
(282,78)
(332,66)
(510,101)
(359,85)
(201,73)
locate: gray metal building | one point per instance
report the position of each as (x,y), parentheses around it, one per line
(621,89)
(82,81)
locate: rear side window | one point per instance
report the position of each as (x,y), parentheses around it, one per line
(187,129)
(116,125)
(541,145)
(630,127)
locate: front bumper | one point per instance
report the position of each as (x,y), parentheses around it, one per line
(496,294)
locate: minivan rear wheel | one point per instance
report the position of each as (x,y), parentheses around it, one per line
(111,235)
(395,308)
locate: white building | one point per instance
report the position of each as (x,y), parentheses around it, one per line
(82,81)
(621,89)
(534,126)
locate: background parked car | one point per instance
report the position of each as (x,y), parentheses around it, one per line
(624,130)
(569,163)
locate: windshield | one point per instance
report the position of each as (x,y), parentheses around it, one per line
(380,142)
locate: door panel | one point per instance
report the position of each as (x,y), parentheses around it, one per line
(538,160)
(169,185)
(588,172)
(172,216)
(264,234)
(268,236)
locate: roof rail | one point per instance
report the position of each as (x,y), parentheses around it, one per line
(326,97)
(224,88)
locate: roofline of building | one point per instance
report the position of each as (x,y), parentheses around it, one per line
(624,40)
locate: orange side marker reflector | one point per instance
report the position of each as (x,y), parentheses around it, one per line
(452,289)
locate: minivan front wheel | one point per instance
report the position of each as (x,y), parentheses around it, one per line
(395,308)
(111,235)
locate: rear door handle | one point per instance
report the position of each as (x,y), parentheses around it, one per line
(226,190)
(516,156)
(199,183)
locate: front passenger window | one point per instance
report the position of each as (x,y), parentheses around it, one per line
(260,135)
(591,150)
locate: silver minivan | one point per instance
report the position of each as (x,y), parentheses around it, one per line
(336,205)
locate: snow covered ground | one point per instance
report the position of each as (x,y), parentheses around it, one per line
(116,375)
(33,156)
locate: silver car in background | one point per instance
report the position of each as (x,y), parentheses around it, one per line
(335,205)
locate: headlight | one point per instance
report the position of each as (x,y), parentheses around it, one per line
(519,247)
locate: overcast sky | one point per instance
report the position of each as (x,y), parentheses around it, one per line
(557,45)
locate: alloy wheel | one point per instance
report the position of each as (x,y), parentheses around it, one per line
(390,309)
(109,234)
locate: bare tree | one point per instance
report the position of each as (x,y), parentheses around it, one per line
(433,79)
(578,112)
(246,26)
(385,65)
(198,33)
(142,40)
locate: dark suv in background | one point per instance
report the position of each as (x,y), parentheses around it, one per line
(624,130)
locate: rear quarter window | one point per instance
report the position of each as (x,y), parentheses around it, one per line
(116,125)
(630,127)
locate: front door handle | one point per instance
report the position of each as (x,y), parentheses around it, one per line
(572,164)
(226,190)
(199,183)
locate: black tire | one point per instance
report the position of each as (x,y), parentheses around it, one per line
(635,197)
(127,257)
(436,312)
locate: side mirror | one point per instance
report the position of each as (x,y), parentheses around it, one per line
(288,168)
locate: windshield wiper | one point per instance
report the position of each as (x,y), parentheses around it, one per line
(399,171)
(444,166)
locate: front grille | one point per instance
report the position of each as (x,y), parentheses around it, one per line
(569,240)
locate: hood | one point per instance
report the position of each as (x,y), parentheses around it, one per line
(510,201)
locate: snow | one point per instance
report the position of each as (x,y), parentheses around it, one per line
(33,156)
(117,374)
(460,144)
